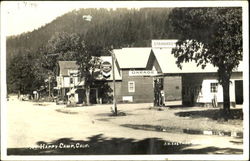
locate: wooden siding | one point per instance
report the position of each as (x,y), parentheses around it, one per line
(196,88)
(172,88)
(143,88)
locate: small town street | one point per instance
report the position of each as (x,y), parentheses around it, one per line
(47,128)
(110,80)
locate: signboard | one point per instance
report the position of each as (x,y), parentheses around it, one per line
(106,68)
(142,73)
(72,72)
(163,43)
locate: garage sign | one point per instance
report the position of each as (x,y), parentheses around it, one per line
(142,73)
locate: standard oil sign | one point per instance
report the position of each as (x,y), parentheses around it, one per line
(106,68)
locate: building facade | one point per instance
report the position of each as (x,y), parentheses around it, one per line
(142,72)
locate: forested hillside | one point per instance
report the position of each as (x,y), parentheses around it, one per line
(32,57)
(121,27)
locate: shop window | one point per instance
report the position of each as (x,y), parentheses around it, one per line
(131,86)
(214,87)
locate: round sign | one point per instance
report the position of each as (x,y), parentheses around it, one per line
(106,67)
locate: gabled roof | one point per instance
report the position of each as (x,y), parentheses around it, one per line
(167,62)
(132,58)
(71,65)
(67,65)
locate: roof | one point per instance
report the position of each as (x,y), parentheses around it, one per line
(167,62)
(71,65)
(132,57)
(67,65)
(138,58)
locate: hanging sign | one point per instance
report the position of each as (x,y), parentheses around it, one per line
(106,68)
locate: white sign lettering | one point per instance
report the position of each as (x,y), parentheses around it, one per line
(163,43)
(142,73)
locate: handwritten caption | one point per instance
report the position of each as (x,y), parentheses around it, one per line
(61,146)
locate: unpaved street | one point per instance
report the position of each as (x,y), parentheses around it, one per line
(31,124)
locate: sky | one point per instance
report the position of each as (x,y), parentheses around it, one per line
(26,16)
(22,16)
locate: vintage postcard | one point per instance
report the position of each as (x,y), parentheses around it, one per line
(133,80)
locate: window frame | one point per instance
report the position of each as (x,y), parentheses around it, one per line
(71,80)
(131,84)
(214,87)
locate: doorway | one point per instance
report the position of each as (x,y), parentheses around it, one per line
(239,91)
(93,95)
(158,89)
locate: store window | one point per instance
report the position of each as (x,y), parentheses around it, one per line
(214,87)
(131,86)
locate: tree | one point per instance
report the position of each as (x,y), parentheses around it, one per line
(61,46)
(24,74)
(71,47)
(210,35)
(88,66)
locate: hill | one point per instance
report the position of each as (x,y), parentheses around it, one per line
(120,27)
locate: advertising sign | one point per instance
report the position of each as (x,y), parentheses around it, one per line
(163,43)
(142,73)
(106,68)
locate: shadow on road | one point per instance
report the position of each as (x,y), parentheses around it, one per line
(100,145)
(214,114)
(184,130)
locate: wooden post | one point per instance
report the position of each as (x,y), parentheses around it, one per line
(49,86)
(114,92)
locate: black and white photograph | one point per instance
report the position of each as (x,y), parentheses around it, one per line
(149,80)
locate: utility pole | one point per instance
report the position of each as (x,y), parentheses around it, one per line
(49,86)
(113,73)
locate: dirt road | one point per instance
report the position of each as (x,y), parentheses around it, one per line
(32,124)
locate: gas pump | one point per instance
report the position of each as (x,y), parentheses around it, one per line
(162,98)
(159,97)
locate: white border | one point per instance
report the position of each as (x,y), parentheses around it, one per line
(138,4)
(3,86)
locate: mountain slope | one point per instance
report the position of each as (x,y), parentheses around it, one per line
(121,27)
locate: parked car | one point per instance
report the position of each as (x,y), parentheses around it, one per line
(25,97)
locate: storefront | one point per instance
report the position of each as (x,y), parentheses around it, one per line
(150,74)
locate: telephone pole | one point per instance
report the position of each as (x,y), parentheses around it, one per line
(49,86)
(113,73)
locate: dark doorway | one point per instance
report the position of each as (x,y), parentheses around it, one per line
(81,95)
(158,88)
(239,91)
(93,95)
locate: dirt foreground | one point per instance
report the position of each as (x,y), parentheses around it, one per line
(143,130)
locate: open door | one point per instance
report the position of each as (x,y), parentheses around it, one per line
(93,96)
(239,91)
